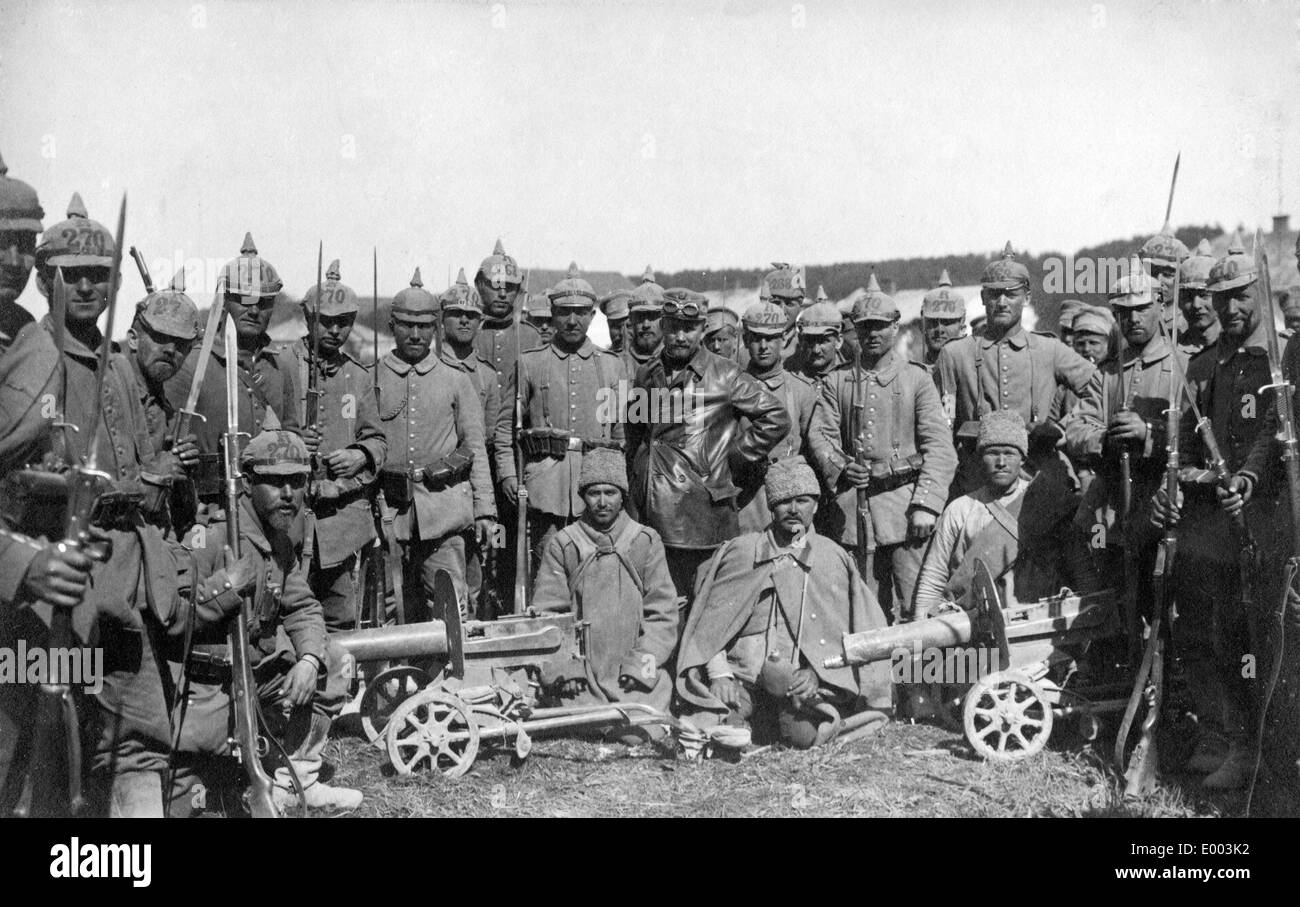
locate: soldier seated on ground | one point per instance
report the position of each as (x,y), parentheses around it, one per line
(610,571)
(299,676)
(1020,528)
(770,609)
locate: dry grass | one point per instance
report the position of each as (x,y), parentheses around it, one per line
(907,771)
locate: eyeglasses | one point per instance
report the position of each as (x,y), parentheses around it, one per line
(688,309)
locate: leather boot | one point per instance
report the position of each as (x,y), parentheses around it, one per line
(317,794)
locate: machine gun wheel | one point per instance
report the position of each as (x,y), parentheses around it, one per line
(1007,716)
(432,728)
(384,693)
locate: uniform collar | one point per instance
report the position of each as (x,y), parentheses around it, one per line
(1255,344)
(767,549)
(71,345)
(263,348)
(401,367)
(1157,348)
(601,537)
(886,369)
(583,351)
(772,379)
(1016,339)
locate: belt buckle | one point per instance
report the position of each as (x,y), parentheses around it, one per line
(417,474)
(575,443)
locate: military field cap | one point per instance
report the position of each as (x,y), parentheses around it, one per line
(766,318)
(719,318)
(942,302)
(1093,320)
(1069,309)
(647,296)
(820,318)
(461,297)
(1236,269)
(499,267)
(615,306)
(789,478)
(76,242)
(336,298)
(20,210)
(538,306)
(874,305)
(276,452)
(1003,426)
(170,311)
(785,281)
(603,466)
(1005,273)
(249,275)
(1194,272)
(1134,289)
(572,291)
(415,303)
(685,305)
(1164,249)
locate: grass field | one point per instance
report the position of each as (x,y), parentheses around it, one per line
(908,770)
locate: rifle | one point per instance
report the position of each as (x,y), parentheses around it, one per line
(313,358)
(522,545)
(866,541)
(143,269)
(1140,776)
(243,688)
(57,739)
(376,566)
(1286,436)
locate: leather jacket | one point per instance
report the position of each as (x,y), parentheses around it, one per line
(688,441)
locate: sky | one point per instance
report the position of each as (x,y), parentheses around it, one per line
(683,135)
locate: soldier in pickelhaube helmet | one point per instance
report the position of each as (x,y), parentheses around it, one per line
(1163,253)
(1229,382)
(569,391)
(943,317)
(249,286)
(1196,303)
(615,309)
(499,284)
(349,442)
(764,331)
(301,675)
(821,347)
(645,332)
(1007,367)
(20,222)
(789,289)
(437,482)
(462,317)
(888,436)
(162,333)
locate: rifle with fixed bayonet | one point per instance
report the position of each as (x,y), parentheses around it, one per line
(246,745)
(56,748)
(1282,389)
(312,405)
(522,543)
(1141,772)
(866,541)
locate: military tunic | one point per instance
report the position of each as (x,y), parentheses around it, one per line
(1024,370)
(800,400)
(576,392)
(347,417)
(264,382)
(428,410)
(1137,382)
(634,361)
(499,343)
(498,418)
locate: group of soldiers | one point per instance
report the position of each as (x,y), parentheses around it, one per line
(804,480)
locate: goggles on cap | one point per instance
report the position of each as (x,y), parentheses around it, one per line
(684,309)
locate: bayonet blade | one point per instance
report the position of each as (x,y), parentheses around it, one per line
(1264,286)
(215,313)
(59,309)
(106,344)
(232,381)
(1169,205)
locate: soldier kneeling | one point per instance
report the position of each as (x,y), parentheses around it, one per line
(611,572)
(769,611)
(299,676)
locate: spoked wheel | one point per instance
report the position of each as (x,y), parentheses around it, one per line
(385,693)
(1007,717)
(432,730)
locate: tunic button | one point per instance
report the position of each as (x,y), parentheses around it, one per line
(822,642)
